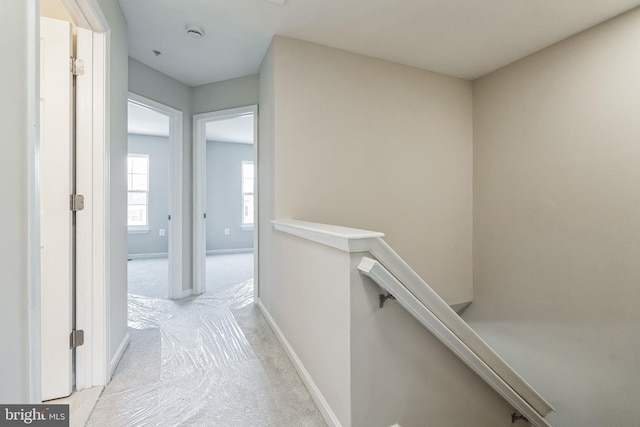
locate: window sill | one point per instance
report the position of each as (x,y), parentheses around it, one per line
(247,227)
(139,230)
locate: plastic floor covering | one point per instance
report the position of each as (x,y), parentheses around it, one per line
(210,360)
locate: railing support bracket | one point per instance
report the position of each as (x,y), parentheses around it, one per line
(384,298)
(516,416)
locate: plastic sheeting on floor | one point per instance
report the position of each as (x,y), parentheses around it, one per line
(207,373)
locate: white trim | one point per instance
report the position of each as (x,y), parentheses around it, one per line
(119,353)
(84,218)
(200,188)
(137,229)
(343,238)
(34,327)
(98,299)
(175,189)
(325,409)
(187,293)
(148,256)
(86,14)
(92,359)
(229,251)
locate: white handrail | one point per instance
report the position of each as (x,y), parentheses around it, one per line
(393,274)
(486,368)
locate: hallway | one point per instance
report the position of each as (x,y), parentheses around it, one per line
(210,360)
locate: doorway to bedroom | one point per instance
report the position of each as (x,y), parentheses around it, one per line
(225,195)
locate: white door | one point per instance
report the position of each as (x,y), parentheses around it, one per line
(56,184)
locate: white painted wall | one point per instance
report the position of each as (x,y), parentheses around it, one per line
(117,148)
(365,143)
(19,227)
(311,308)
(557,221)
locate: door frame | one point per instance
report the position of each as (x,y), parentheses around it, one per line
(175,189)
(92,284)
(200,188)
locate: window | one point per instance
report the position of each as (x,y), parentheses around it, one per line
(138,192)
(247,193)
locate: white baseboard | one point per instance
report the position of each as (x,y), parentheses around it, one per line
(187,293)
(329,416)
(148,256)
(229,251)
(119,353)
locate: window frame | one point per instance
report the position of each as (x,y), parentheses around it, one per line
(145,228)
(248,225)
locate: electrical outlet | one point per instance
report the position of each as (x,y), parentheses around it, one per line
(226,231)
(161,232)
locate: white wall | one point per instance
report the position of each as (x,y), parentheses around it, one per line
(117,143)
(365,143)
(557,221)
(19,278)
(311,308)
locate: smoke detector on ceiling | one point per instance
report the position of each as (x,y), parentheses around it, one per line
(195,31)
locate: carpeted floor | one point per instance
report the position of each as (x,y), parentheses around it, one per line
(208,360)
(149,277)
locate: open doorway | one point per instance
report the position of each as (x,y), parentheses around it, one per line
(153,202)
(225,193)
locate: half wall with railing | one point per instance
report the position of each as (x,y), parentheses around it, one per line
(375,345)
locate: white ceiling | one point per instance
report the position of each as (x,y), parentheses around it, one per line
(237,129)
(462,38)
(144,121)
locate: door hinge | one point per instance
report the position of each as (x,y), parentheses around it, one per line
(77,66)
(77,202)
(77,338)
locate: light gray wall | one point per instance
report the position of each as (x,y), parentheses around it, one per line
(157,147)
(19,281)
(159,87)
(365,143)
(154,85)
(224,196)
(227,94)
(117,219)
(557,221)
